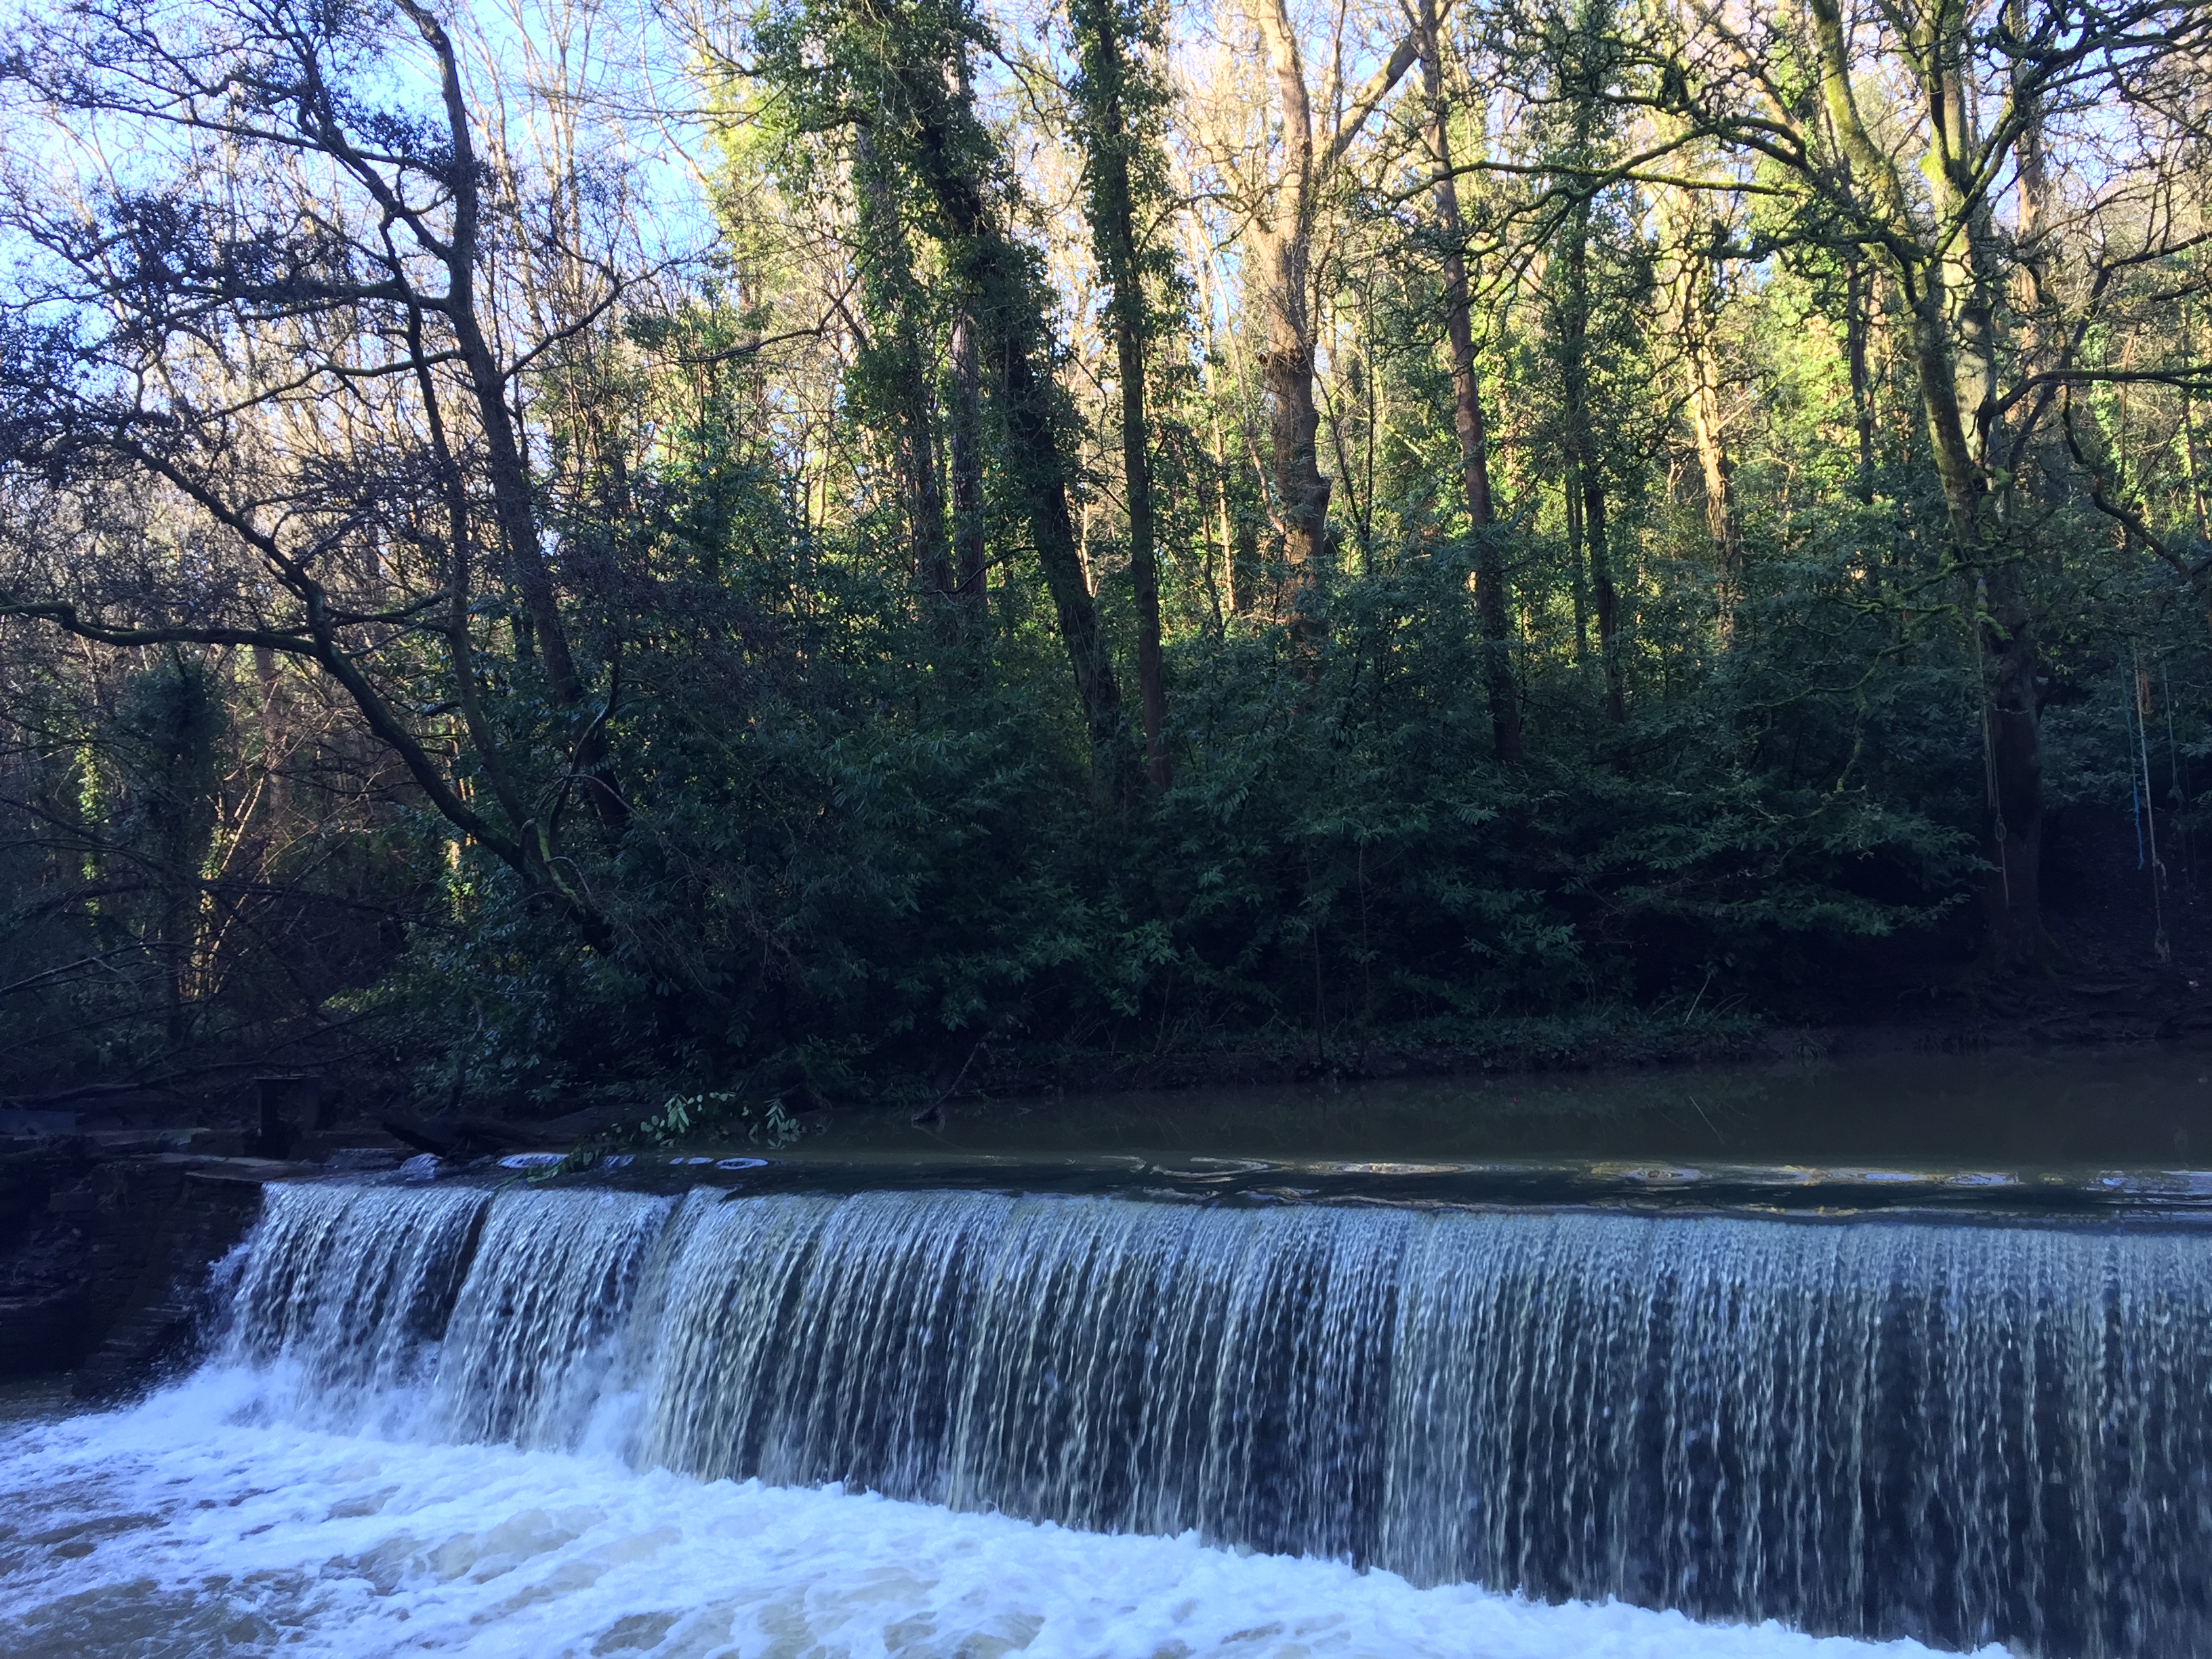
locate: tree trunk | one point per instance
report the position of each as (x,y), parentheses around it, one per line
(1602,592)
(514,499)
(2032,176)
(2014,897)
(1721,519)
(2006,640)
(1144,565)
(1105,86)
(1492,623)
(1302,489)
(1040,480)
(1585,477)
(888,284)
(926,493)
(1960,434)
(511,503)
(966,445)
(1232,591)
(1572,491)
(1854,352)
(1284,254)
(1233,587)
(1283,257)
(1010,318)
(1225,530)
(1945,290)
(1696,303)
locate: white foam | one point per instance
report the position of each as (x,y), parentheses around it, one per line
(183,1526)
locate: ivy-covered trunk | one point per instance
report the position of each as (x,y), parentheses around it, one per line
(1008,310)
(1113,93)
(1493,625)
(964,443)
(1944,276)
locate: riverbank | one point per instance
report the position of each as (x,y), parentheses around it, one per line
(109,1204)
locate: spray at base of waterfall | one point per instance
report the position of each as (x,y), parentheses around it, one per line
(196,1524)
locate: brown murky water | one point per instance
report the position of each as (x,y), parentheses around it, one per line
(2129,1106)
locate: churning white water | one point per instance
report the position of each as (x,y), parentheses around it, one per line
(176,1531)
(539,1421)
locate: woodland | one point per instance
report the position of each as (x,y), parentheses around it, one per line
(820,544)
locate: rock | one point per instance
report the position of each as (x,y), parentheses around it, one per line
(355,1160)
(451,1136)
(36,1329)
(248,1171)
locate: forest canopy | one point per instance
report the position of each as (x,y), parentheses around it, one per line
(794,544)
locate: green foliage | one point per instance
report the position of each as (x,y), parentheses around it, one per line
(811,818)
(883,864)
(165,733)
(713,1118)
(717,1116)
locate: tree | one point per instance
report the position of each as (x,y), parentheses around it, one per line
(1589,298)
(1931,223)
(269,298)
(1286,217)
(1693,307)
(540,589)
(1120,103)
(899,75)
(1490,599)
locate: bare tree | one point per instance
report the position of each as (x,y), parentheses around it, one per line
(268,293)
(1290,202)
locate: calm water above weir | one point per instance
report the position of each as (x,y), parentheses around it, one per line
(2133,1106)
(1919,1353)
(2078,1132)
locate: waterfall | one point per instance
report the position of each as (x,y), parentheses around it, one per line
(1965,1431)
(345,1292)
